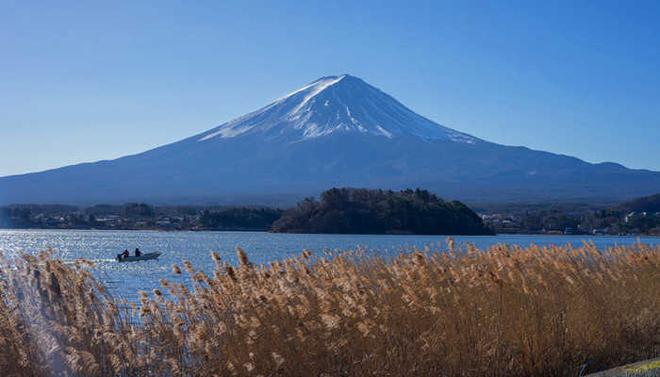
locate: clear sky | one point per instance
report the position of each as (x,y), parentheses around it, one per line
(83,81)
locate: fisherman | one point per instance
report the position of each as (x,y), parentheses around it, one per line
(137,252)
(125,254)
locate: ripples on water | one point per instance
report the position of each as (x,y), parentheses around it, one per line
(125,279)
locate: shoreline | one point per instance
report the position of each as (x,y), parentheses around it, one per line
(328,234)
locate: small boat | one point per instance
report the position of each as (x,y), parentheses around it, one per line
(133,258)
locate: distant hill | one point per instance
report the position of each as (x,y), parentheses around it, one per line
(365,211)
(640,216)
(645,204)
(333,132)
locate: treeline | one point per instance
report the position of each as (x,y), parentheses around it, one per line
(638,216)
(363,211)
(353,211)
(240,218)
(137,216)
(338,211)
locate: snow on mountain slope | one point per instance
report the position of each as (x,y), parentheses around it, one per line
(331,105)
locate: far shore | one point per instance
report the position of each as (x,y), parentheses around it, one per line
(556,234)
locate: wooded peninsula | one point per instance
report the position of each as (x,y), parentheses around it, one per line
(362,211)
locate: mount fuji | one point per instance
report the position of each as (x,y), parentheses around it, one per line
(335,131)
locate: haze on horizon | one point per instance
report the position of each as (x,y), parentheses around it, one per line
(85,82)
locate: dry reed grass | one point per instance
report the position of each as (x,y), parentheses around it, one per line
(505,311)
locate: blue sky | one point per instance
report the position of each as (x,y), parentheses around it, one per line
(83,81)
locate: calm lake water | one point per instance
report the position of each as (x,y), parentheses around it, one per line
(125,279)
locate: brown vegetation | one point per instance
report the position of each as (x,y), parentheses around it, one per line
(505,311)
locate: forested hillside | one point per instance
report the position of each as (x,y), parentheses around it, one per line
(345,210)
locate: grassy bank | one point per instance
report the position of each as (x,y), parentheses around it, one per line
(505,311)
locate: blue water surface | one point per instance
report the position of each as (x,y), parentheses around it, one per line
(125,279)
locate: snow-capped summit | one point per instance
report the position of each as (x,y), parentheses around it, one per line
(332,105)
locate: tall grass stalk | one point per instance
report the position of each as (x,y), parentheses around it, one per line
(504,311)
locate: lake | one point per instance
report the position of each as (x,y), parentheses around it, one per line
(125,279)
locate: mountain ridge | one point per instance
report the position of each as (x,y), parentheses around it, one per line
(336,131)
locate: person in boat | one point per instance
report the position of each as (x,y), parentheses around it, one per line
(125,254)
(138,252)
